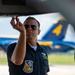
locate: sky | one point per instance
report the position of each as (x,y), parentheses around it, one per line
(46,21)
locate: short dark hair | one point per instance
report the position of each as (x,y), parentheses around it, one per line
(28,18)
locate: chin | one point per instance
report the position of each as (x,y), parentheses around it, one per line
(30,38)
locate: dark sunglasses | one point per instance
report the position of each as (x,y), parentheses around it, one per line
(32,26)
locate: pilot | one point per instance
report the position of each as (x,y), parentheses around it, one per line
(26,57)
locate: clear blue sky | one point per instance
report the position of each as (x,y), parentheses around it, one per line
(46,20)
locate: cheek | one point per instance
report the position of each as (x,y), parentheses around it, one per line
(35,33)
(38,32)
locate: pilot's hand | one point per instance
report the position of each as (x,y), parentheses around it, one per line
(18,25)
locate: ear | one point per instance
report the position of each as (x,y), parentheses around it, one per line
(39,31)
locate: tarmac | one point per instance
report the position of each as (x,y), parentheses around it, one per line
(54,70)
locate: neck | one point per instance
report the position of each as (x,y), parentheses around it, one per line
(32,42)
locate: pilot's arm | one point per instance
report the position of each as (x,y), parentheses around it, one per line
(19,52)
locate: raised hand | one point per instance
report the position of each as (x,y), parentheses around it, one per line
(16,24)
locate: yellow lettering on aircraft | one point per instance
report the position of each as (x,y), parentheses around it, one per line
(57,30)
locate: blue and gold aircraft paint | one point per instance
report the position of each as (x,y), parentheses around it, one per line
(52,41)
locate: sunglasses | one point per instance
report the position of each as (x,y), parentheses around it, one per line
(32,26)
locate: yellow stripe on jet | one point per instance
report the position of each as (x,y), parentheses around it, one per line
(46,44)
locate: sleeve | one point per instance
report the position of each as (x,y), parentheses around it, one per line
(48,65)
(48,69)
(10,50)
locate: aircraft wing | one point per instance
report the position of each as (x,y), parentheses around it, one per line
(57,46)
(33,7)
(5,42)
(49,46)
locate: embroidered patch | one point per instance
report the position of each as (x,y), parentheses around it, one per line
(44,56)
(28,66)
